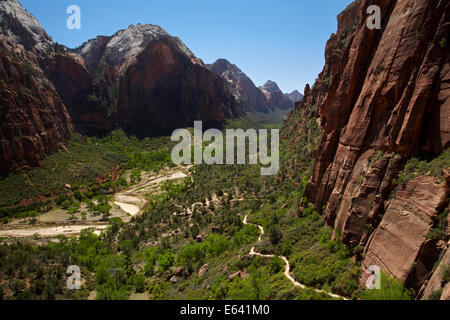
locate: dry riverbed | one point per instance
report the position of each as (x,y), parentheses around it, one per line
(125,205)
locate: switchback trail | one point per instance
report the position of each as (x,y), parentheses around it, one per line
(287,270)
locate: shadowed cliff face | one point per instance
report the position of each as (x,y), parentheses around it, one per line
(163,91)
(384,98)
(75,85)
(20,30)
(295,96)
(34,119)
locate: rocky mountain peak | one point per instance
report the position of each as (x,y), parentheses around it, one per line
(295,96)
(271,87)
(21,30)
(250,98)
(126,45)
(276,98)
(226,68)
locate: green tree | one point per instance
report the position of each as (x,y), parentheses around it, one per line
(276,265)
(275,234)
(165,260)
(139,283)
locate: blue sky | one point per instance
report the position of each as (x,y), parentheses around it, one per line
(280,40)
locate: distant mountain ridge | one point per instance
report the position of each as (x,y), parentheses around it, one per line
(275,97)
(251,98)
(151,83)
(295,96)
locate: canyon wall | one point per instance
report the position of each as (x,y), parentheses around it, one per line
(164,90)
(34,119)
(382,98)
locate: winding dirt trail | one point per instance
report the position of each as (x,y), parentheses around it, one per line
(287,270)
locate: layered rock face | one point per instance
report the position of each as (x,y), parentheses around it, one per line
(92,51)
(34,118)
(249,97)
(400,243)
(383,97)
(276,98)
(436,282)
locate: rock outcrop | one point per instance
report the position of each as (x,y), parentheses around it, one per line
(249,97)
(382,98)
(21,31)
(276,98)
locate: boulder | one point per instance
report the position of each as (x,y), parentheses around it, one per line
(203,270)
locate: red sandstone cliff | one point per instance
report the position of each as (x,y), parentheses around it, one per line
(34,120)
(164,90)
(383,97)
(75,85)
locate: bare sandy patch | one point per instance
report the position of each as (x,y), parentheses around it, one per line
(131,209)
(49,232)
